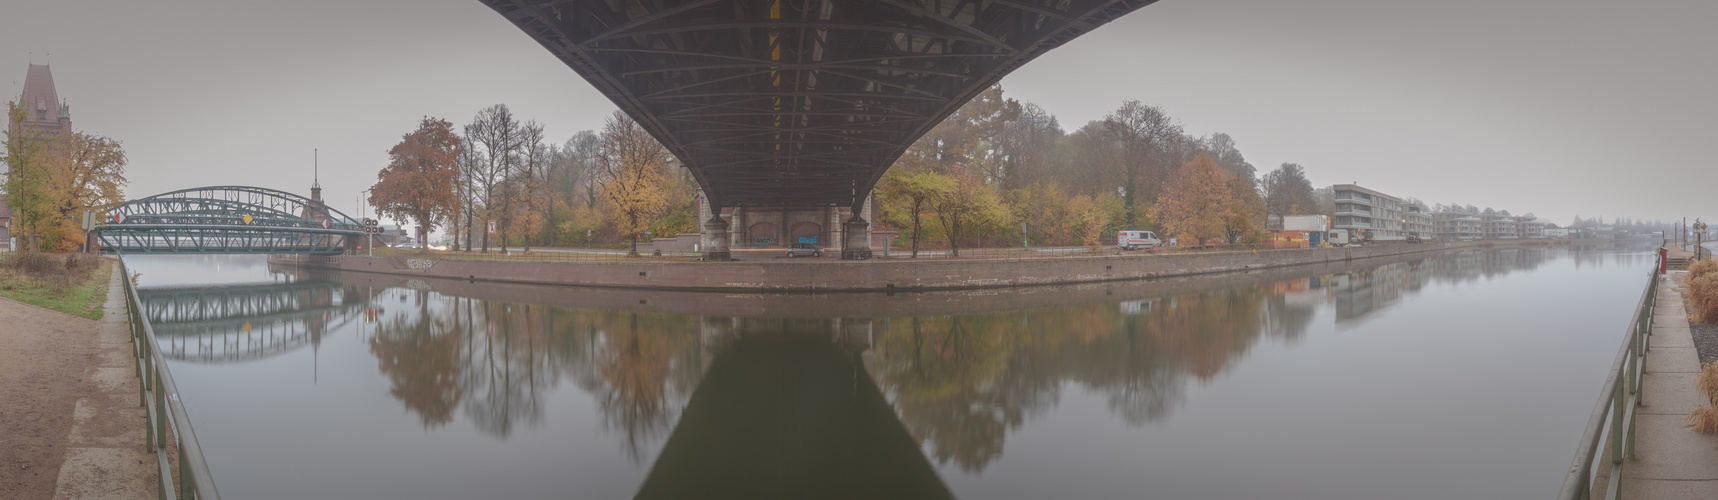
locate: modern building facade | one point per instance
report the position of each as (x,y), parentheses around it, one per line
(1417,221)
(1458,226)
(47,116)
(1364,212)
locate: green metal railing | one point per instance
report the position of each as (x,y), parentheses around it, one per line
(1616,406)
(160,396)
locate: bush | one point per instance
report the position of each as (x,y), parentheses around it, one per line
(58,272)
(1703,297)
(1705,419)
(1702,267)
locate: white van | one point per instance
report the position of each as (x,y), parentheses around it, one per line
(1129,240)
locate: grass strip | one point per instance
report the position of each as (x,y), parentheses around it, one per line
(84,299)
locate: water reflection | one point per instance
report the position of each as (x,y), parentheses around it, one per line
(845,404)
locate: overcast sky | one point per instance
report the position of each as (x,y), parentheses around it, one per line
(1556,107)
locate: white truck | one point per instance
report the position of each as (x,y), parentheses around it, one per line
(1130,240)
(1308,223)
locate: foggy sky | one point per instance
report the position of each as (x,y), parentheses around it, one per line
(1553,107)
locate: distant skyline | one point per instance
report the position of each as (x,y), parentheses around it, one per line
(1555,108)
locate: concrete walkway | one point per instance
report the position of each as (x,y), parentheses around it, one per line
(105,456)
(1672,461)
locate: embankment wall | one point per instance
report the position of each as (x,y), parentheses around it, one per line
(833,275)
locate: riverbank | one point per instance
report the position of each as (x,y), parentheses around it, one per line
(70,425)
(859,276)
(844,276)
(846,304)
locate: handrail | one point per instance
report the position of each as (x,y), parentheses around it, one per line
(160,397)
(1617,403)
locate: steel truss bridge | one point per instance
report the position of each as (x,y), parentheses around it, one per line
(245,323)
(798,102)
(228,220)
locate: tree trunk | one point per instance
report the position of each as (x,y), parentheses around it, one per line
(915,233)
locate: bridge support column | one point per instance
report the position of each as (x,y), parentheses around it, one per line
(714,241)
(856,239)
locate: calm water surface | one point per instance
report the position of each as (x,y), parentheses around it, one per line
(1461,375)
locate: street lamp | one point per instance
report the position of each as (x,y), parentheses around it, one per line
(369,241)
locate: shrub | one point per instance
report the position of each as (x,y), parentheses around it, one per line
(1703,297)
(1705,419)
(1702,267)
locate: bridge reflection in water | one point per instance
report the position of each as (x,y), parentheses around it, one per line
(249,322)
(850,406)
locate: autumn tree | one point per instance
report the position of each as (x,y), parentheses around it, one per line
(420,180)
(1245,223)
(1195,202)
(52,181)
(963,203)
(633,163)
(909,195)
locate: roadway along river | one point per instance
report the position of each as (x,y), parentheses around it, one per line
(1456,375)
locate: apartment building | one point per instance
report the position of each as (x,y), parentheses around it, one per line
(1417,221)
(1529,227)
(1458,226)
(1362,211)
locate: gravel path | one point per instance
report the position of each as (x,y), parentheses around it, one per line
(1705,341)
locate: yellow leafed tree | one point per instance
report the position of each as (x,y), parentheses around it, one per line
(633,163)
(1194,205)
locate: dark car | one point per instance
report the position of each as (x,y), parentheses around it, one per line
(798,249)
(1414,239)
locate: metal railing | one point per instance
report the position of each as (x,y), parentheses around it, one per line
(160,396)
(1616,406)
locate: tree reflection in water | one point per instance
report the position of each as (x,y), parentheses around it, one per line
(496,359)
(958,385)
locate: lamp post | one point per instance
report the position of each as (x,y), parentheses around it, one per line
(369,241)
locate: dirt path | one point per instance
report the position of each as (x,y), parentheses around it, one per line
(43,354)
(70,425)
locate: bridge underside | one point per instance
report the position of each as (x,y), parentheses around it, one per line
(798,102)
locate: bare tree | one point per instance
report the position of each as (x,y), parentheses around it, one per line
(1146,137)
(1288,192)
(496,132)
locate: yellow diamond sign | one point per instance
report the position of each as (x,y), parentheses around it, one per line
(247,218)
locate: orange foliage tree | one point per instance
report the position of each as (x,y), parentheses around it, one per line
(1194,204)
(419,181)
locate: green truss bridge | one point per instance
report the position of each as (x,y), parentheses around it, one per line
(228,220)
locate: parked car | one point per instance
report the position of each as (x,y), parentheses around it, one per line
(1414,239)
(799,249)
(1130,240)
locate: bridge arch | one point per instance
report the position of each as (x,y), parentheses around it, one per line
(227,219)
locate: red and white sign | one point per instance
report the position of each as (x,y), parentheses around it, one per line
(491,227)
(118,218)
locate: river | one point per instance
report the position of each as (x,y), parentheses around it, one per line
(1464,374)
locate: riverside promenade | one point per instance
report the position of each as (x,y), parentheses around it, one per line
(68,401)
(1672,461)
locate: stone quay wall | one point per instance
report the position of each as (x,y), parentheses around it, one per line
(826,275)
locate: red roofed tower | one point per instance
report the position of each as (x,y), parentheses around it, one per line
(45,114)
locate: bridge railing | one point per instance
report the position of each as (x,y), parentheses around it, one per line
(1618,401)
(160,397)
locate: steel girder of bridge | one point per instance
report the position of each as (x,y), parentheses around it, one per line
(798,102)
(227,219)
